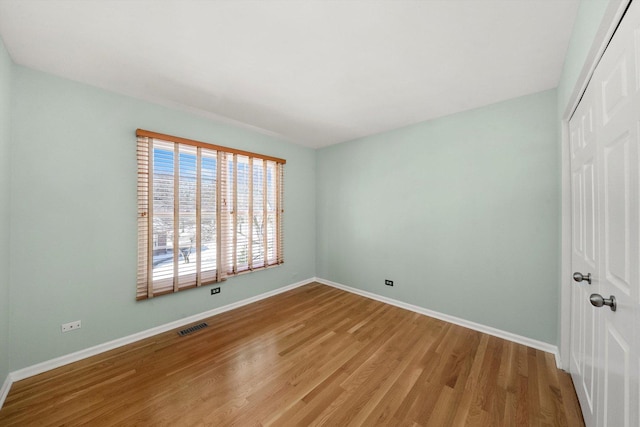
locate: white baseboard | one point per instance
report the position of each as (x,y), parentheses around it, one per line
(540,345)
(4,391)
(48,365)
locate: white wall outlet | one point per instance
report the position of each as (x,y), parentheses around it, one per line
(71,326)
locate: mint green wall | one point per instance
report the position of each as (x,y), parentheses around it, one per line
(590,14)
(466,222)
(461,212)
(5,199)
(73,216)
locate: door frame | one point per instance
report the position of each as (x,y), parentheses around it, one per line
(612,16)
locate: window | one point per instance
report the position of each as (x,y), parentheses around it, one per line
(205,212)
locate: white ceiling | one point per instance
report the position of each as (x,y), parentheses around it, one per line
(312,72)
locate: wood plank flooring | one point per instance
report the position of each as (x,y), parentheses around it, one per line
(311,356)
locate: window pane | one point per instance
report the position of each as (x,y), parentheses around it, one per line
(227,232)
(163,199)
(209,176)
(242,215)
(187,214)
(271,213)
(258,214)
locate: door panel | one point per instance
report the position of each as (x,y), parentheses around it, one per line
(590,214)
(577,194)
(617,213)
(616,396)
(614,89)
(588,126)
(589,356)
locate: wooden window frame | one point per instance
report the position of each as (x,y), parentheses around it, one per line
(226,218)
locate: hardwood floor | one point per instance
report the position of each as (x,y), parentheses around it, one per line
(311,356)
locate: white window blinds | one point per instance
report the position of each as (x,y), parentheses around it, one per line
(204,212)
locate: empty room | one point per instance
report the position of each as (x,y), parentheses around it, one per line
(316,212)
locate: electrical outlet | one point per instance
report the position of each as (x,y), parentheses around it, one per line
(215,291)
(388,282)
(71,326)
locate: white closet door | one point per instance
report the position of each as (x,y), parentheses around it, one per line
(585,254)
(605,346)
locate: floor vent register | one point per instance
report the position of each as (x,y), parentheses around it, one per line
(192,329)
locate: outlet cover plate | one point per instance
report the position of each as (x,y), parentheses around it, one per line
(71,326)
